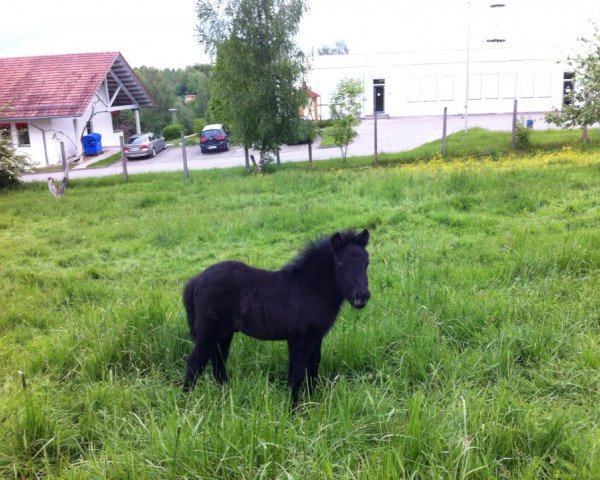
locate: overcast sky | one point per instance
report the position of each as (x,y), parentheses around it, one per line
(161,33)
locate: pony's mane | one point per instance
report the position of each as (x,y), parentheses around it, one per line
(319,250)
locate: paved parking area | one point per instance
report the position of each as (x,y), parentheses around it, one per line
(393,135)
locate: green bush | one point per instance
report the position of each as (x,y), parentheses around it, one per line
(328,122)
(12,164)
(304,131)
(199,124)
(173,131)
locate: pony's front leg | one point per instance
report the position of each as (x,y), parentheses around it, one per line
(299,351)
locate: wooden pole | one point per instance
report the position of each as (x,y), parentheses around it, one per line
(309,152)
(186,172)
(444,130)
(123,158)
(514,125)
(63,156)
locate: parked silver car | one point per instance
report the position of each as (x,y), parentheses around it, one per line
(143,145)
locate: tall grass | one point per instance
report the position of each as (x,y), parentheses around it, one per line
(477,357)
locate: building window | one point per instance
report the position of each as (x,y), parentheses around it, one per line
(568,80)
(23,134)
(5,131)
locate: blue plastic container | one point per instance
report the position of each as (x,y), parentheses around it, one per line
(92,144)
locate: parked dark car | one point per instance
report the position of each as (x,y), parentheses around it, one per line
(214,138)
(143,145)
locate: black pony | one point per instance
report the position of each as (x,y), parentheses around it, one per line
(297,303)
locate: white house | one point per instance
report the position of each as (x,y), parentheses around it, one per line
(415,83)
(48,103)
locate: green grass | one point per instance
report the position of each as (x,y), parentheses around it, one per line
(477,357)
(190,141)
(326,137)
(485,143)
(482,142)
(105,162)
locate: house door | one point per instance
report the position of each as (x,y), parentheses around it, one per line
(379,95)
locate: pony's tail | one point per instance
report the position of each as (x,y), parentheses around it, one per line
(188,303)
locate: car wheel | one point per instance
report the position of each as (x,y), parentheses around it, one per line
(227,146)
(153,153)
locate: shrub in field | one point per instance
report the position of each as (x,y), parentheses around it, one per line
(522,136)
(173,131)
(12,164)
(345,110)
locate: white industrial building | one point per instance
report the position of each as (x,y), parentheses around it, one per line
(415,83)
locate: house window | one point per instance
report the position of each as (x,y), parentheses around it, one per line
(23,134)
(116,121)
(5,131)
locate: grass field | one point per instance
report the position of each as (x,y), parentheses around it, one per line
(477,357)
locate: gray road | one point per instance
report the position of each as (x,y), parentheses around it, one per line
(394,135)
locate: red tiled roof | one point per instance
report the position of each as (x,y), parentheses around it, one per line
(51,86)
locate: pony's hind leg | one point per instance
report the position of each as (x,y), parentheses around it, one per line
(219,358)
(312,368)
(197,361)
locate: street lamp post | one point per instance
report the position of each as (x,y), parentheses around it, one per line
(174,113)
(496,39)
(467,70)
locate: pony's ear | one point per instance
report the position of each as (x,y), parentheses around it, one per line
(363,238)
(337,242)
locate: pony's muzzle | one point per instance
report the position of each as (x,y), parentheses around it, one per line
(359,300)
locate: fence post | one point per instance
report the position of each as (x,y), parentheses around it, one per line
(375,134)
(63,156)
(444,131)
(186,172)
(375,122)
(514,125)
(123,158)
(310,151)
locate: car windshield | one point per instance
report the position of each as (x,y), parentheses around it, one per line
(211,133)
(136,140)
